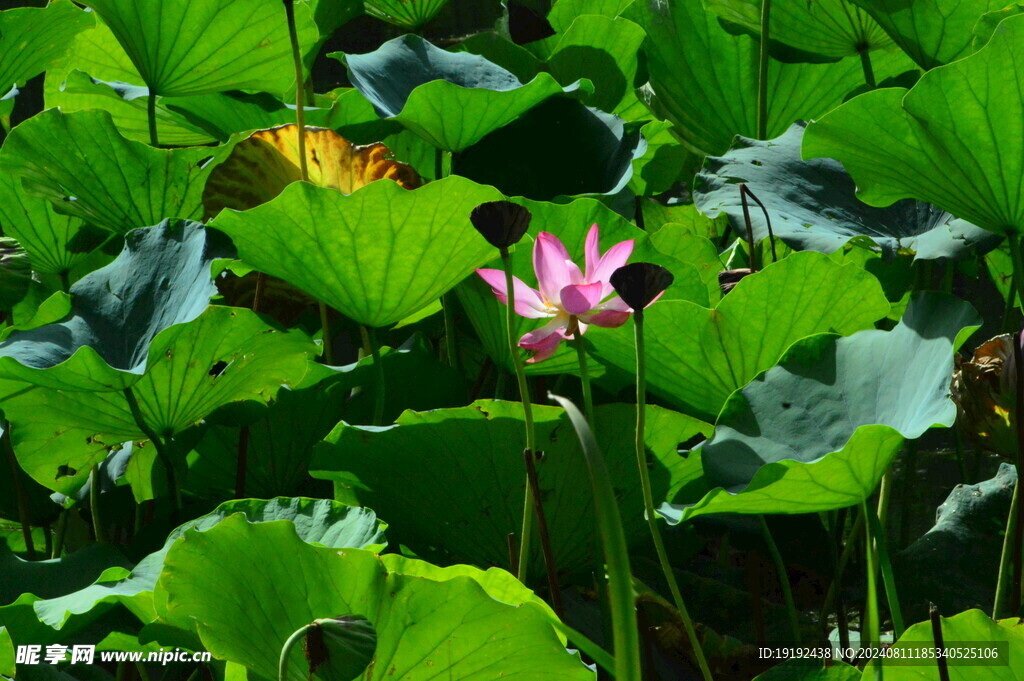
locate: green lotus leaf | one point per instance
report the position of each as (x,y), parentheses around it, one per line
(452,480)
(376,255)
(403,13)
(813,204)
(192,47)
(82,164)
(697,356)
(500,50)
(602,50)
(663,161)
(697,250)
(55,243)
(811,670)
(898,378)
(973,627)
(944,141)
(7,665)
(570,223)
(710,91)
(330,15)
(316,521)
(932,32)
(208,582)
(161,278)
(832,29)
(282,436)
(596,153)
(565,12)
(225,355)
(451,99)
(32,39)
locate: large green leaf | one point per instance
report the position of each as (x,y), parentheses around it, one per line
(83,165)
(245,615)
(602,50)
(898,378)
(226,355)
(932,32)
(450,99)
(55,243)
(569,222)
(698,356)
(705,79)
(161,278)
(190,47)
(830,28)
(811,670)
(452,480)
(974,628)
(946,141)
(410,14)
(316,521)
(376,255)
(31,39)
(813,204)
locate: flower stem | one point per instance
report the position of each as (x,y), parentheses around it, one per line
(877,531)
(762,71)
(286,651)
(1001,607)
(161,449)
(524,396)
(645,485)
(581,355)
(378,406)
(94,503)
(544,535)
(300,114)
(940,643)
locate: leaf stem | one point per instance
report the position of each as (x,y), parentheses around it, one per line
(326,336)
(939,641)
(154,139)
(1001,606)
(888,578)
(783,573)
(621,599)
(58,539)
(543,534)
(762,70)
(645,486)
(94,504)
(865,64)
(24,517)
(159,445)
(378,365)
(581,356)
(524,397)
(300,114)
(451,346)
(1018,423)
(869,628)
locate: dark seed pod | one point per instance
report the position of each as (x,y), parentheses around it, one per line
(502,223)
(727,279)
(640,283)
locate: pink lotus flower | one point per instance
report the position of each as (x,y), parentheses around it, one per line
(569,298)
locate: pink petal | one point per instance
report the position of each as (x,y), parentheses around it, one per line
(580,299)
(593,251)
(544,349)
(615,258)
(545,340)
(609,318)
(549,264)
(575,275)
(528,303)
(617,304)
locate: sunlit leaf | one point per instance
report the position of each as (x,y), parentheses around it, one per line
(33,38)
(410,14)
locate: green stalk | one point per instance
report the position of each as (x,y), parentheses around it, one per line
(581,356)
(865,64)
(1018,423)
(525,535)
(451,348)
(327,336)
(159,445)
(595,652)
(151,117)
(300,114)
(888,579)
(762,71)
(869,627)
(378,406)
(841,565)
(94,503)
(58,540)
(19,492)
(286,651)
(622,602)
(645,485)
(780,568)
(1001,608)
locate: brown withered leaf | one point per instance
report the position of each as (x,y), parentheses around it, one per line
(262,165)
